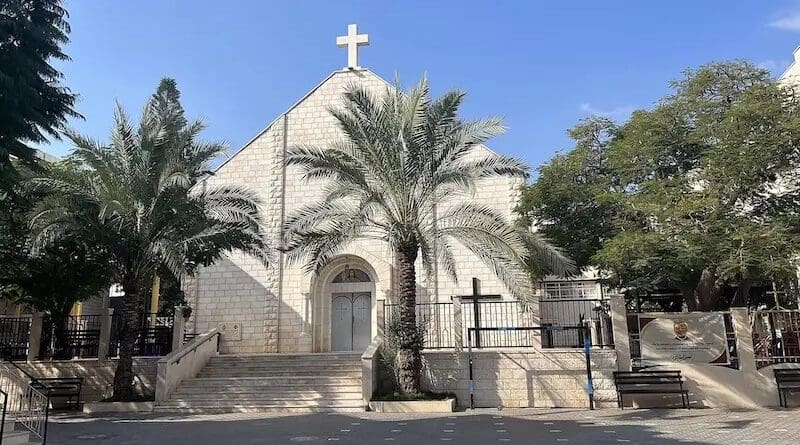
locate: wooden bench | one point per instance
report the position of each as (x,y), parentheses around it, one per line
(67,387)
(788,381)
(650,382)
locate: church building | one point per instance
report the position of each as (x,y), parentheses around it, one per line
(282,308)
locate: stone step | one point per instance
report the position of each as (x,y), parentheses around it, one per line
(285,366)
(17,437)
(309,381)
(277,394)
(257,409)
(306,374)
(255,390)
(272,383)
(271,403)
(256,398)
(289,357)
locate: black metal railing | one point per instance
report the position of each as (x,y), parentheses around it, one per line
(153,338)
(35,413)
(572,312)
(14,337)
(28,406)
(776,336)
(436,319)
(77,337)
(510,324)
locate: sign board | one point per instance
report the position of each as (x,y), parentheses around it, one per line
(683,338)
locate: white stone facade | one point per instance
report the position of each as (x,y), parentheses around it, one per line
(523,378)
(282,308)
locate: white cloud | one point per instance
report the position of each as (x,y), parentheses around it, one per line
(789,22)
(775,66)
(620,113)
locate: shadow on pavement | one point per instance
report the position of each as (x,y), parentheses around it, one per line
(356,428)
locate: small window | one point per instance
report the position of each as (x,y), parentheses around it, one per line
(352,276)
(570,290)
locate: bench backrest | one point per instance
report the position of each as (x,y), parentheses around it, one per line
(787,375)
(648,378)
(66,384)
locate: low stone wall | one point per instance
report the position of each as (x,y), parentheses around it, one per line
(523,378)
(98,375)
(720,387)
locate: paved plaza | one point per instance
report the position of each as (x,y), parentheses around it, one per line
(482,427)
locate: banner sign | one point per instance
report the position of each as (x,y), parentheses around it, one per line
(683,338)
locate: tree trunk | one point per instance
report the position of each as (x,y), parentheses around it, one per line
(709,290)
(409,359)
(689,297)
(132,306)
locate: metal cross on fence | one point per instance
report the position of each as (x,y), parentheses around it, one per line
(476,298)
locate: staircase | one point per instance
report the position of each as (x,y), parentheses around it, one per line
(272,383)
(13,435)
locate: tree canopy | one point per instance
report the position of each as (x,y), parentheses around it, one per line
(135,196)
(698,194)
(33,104)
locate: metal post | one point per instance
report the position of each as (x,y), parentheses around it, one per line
(476,311)
(587,349)
(471,380)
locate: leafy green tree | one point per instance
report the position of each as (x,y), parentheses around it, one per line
(403,158)
(134,197)
(565,202)
(50,280)
(700,192)
(32,102)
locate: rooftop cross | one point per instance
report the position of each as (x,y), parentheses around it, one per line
(352,41)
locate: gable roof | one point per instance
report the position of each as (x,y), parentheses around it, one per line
(298,102)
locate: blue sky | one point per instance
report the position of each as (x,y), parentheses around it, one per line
(540,65)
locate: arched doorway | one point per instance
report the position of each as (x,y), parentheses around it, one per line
(351,294)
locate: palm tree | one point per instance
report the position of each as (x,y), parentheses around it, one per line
(135,196)
(394,178)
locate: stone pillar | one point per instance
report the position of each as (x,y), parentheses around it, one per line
(104,343)
(35,339)
(306,324)
(178,328)
(380,308)
(458,324)
(744,339)
(619,323)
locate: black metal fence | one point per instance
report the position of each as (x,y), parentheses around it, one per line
(153,339)
(556,313)
(436,320)
(522,337)
(776,336)
(77,337)
(15,334)
(509,324)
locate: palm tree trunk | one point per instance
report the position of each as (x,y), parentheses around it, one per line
(409,359)
(132,305)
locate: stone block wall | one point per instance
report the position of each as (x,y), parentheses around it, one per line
(98,375)
(525,378)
